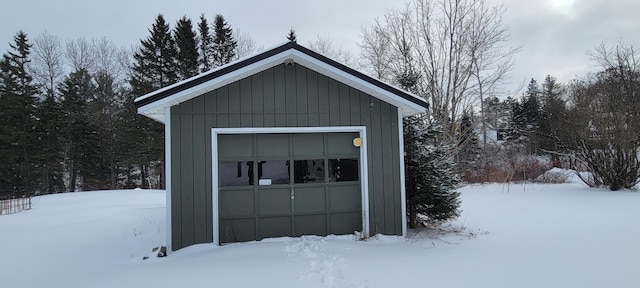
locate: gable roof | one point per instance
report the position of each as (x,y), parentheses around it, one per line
(153,104)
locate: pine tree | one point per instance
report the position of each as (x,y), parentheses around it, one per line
(18,98)
(79,135)
(205,48)
(186,42)
(292,35)
(429,177)
(553,113)
(154,67)
(525,119)
(468,146)
(155,62)
(105,107)
(50,156)
(224,45)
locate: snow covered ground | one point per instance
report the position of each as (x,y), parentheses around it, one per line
(533,235)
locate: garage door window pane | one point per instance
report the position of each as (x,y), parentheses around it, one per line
(273,172)
(343,170)
(236,173)
(308,171)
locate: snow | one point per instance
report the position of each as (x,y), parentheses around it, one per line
(517,235)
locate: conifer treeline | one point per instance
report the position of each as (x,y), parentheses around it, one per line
(81,131)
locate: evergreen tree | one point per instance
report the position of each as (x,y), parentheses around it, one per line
(186,42)
(154,64)
(154,67)
(224,45)
(105,107)
(79,135)
(468,145)
(205,48)
(429,177)
(292,35)
(18,119)
(131,126)
(525,119)
(50,156)
(552,119)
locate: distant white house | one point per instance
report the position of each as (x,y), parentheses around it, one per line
(491,133)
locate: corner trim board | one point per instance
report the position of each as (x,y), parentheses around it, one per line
(167,168)
(403,190)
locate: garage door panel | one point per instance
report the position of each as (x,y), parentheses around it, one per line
(311,225)
(345,223)
(235,146)
(344,198)
(272,145)
(274,201)
(274,227)
(310,199)
(308,144)
(342,144)
(236,203)
(237,230)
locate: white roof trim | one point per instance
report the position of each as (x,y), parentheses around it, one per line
(156,111)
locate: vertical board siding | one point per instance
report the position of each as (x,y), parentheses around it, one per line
(268,91)
(176,204)
(222,97)
(209,101)
(198,105)
(199,176)
(210,122)
(375,162)
(257,95)
(290,90)
(234,98)
(345,117)
(246,105)
(279,85)
(301,90)
(397,203)
(278,97)
(387,174)
(186,178)
(334,103)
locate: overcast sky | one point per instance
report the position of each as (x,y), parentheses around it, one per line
(554,34)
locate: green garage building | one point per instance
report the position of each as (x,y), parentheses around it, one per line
(284,143)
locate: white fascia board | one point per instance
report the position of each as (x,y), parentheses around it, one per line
(407,107)
(158,113)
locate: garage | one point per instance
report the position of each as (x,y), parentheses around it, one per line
(279,184)
(280,144)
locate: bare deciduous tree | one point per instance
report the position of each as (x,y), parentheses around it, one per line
(80,54)
(458,47)
(110,59)
(325,46)
(374,48)
(47,66)
(605,117)
(245,45)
